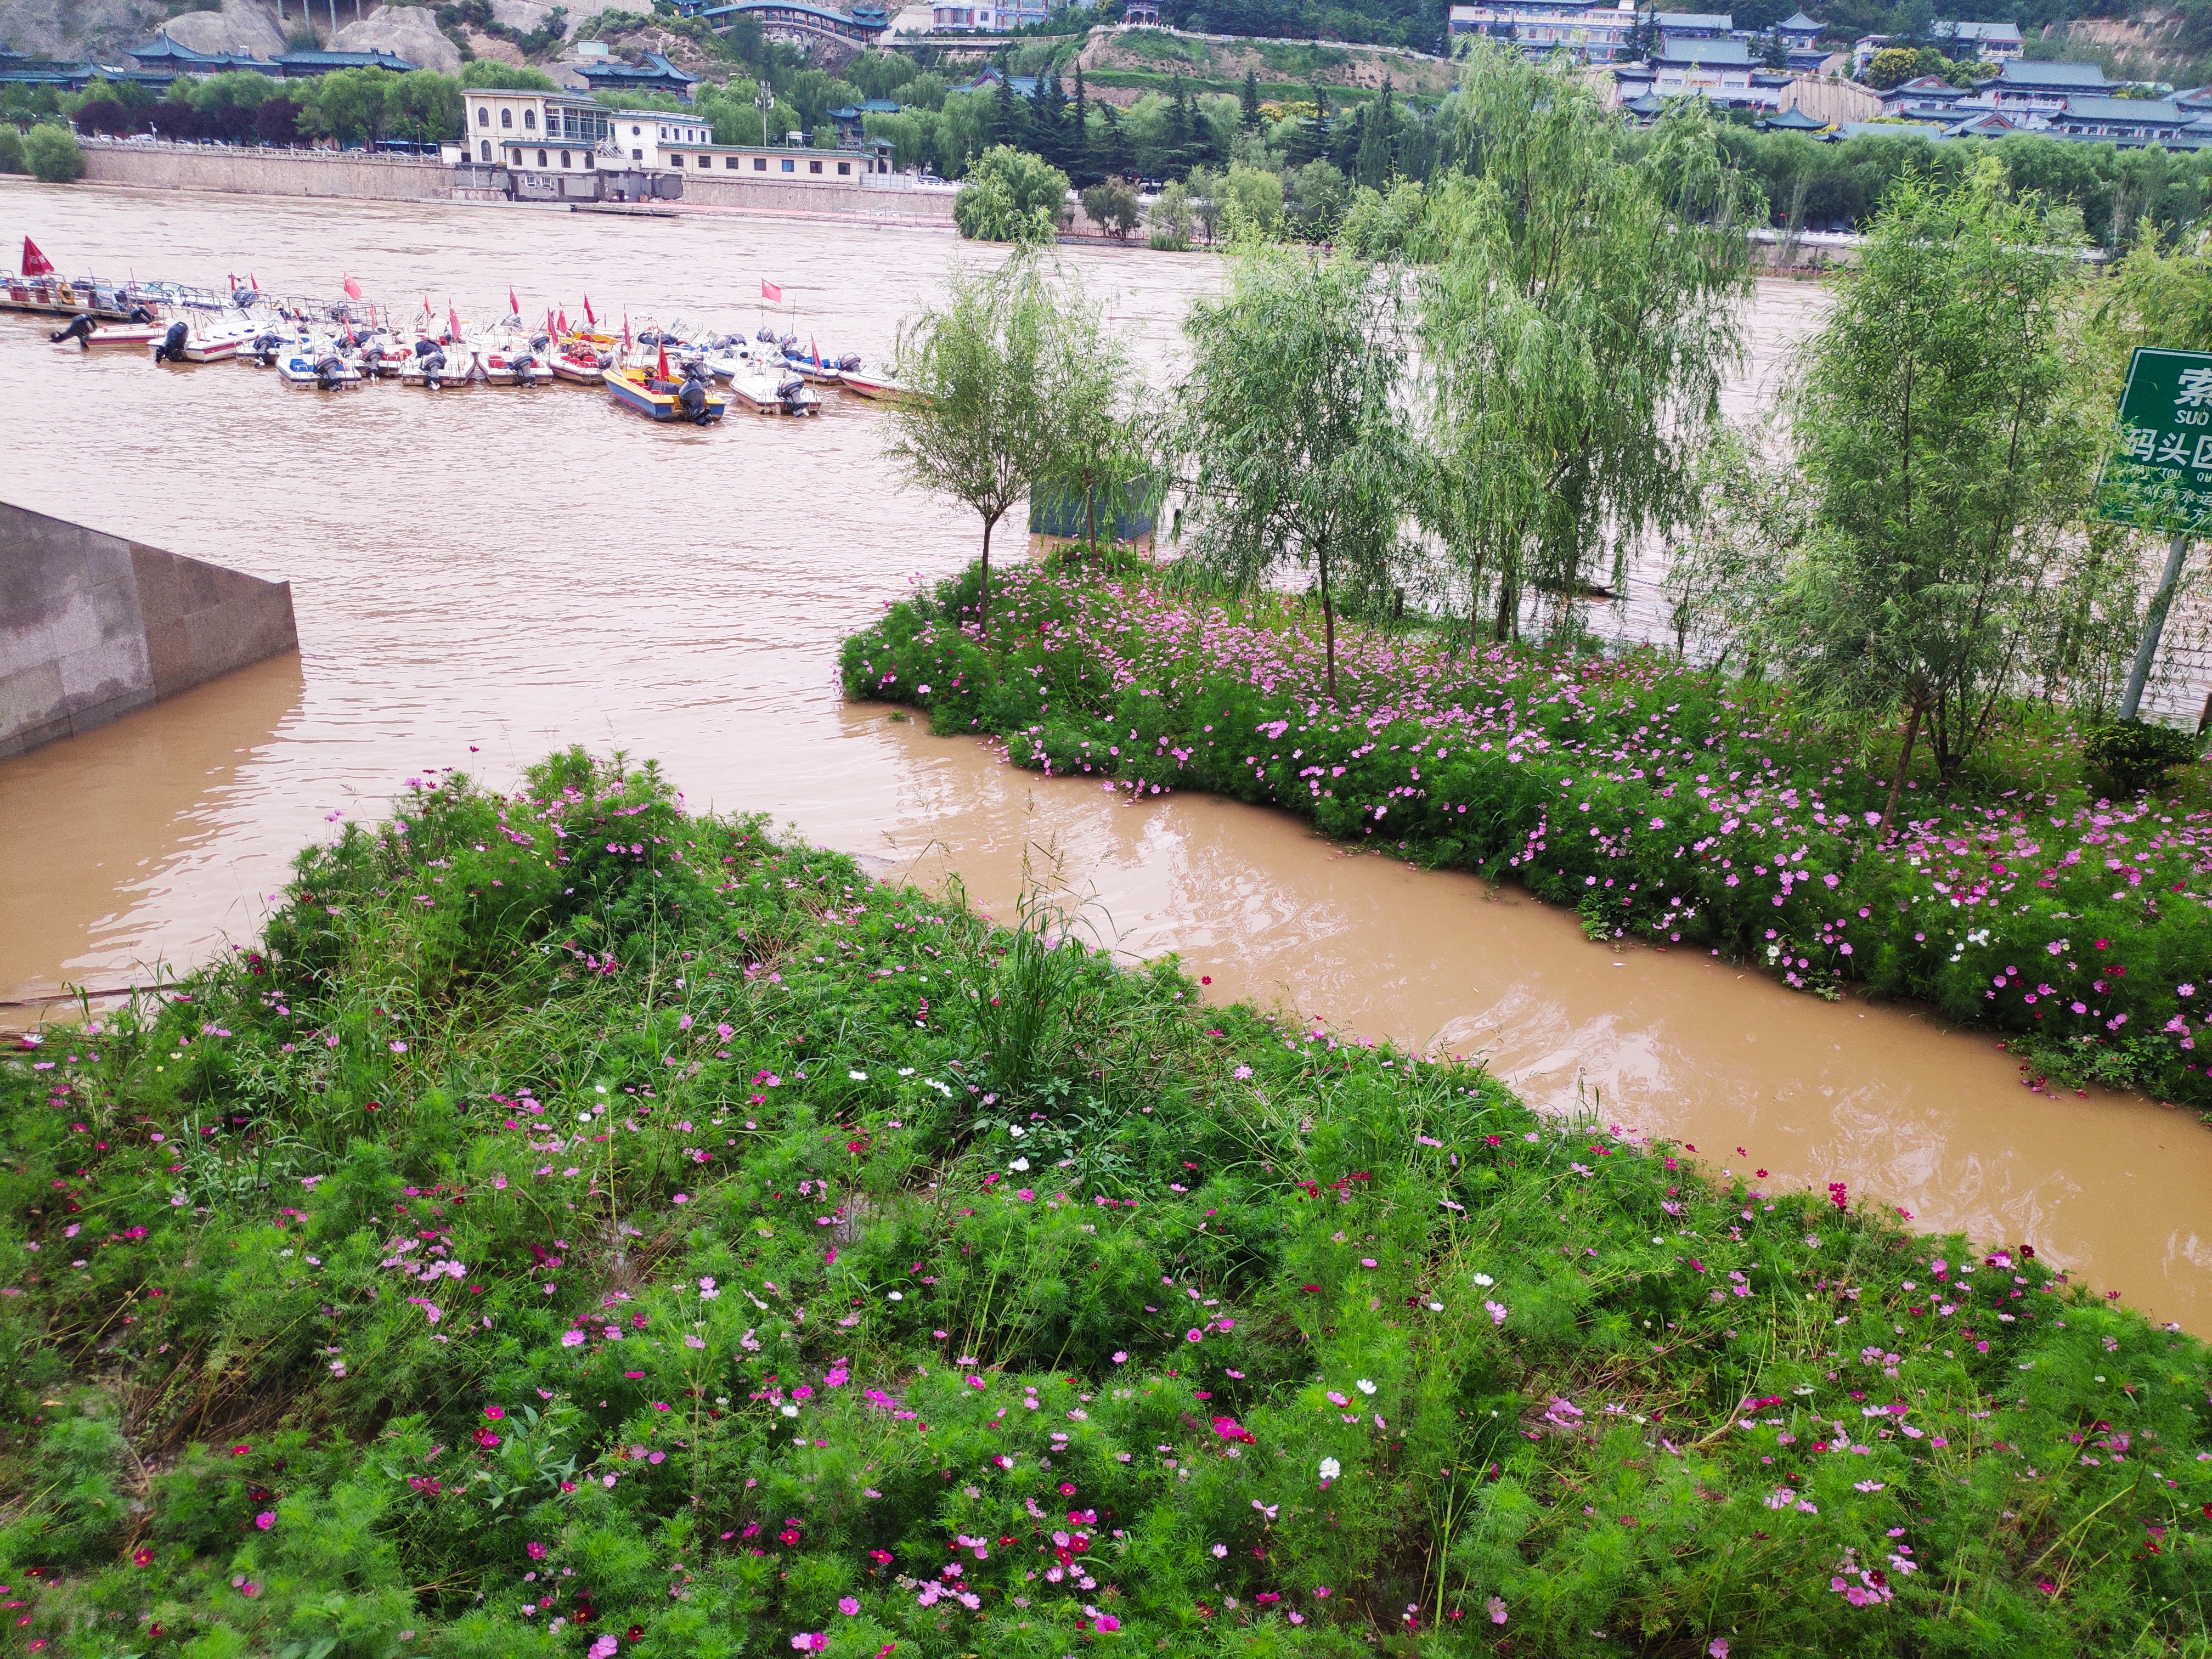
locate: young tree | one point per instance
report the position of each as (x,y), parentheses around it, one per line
(1113,204)
(1937,423)
(1284,436)
(1097,450)
(1078,134)
(1248,103)
(984,365)
(53,155)
(1579,317)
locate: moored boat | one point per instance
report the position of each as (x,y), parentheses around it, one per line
(317,363)
(880,387)
(693,399)
(580,360)
(774,390)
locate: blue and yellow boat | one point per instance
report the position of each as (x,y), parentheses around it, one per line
(692,398)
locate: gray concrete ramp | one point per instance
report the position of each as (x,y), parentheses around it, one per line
(93,626)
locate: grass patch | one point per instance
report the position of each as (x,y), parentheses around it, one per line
(1657,801)
(583,1229)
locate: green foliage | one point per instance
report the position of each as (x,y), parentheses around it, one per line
(981,425)
(517,77)
(1891,66)
(1112,205)
(1010,196)
(2128,758)
(423,107)
(11,150)
(1949,456)
(1284,434)
(53,153)
(1291,1311)
(1579,316)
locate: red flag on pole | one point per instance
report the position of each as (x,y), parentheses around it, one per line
(253,281)
(513,304)
(590,321)
(352,288)
(564,320)
(453,317)
(816,350)
(662,374)
(35,263)
(770,292)
(625,331)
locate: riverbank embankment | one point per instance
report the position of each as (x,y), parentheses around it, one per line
(351,175)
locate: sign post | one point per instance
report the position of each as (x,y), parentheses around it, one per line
(2160,476)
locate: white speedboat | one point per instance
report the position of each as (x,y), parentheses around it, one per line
(436,365)
(769,391)
(318,363)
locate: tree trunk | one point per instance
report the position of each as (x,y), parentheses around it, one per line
(1327,625)
(983,605)
(1904,760)
(1507,606)
(1090,513)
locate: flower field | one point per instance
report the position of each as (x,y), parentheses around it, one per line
(1658,802)
(580,1228)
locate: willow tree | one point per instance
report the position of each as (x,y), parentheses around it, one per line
(1580,308)
(980,424)
(1097,450)
(1285,438)
(1941,424)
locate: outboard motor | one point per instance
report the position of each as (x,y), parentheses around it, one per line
(330,372)
(791,390)
(172,348)
(768,334)
(243,298)
(78,329)
(526,368)
(541,342)
(266,345)
(691,397)
(789,342)
(851,360)
(433,364)
(140,314)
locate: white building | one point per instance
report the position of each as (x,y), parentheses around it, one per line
(556,131)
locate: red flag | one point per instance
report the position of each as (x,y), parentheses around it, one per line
(590,321)
(513,304)
(564,320)
(548,319)
(770,292)
(662,374)
(352,288)
(625,331)
(454,318)
(230,279)
(816,350)
(253,281)
(35,263)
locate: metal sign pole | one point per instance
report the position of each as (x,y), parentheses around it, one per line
(2146,653)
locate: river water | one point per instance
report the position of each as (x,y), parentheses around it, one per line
(482,576)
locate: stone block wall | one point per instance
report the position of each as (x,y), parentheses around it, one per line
(93,626)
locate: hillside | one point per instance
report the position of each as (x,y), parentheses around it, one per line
(1224,64)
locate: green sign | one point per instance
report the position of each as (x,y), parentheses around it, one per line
(2159,474)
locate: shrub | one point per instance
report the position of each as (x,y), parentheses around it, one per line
(1111,204)
(1010,196)
(11,150)
(2130,757)
(54,155)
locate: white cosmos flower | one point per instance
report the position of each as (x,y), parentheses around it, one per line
(1330,1469)
(857,1077)
(1019,1164)
(1484,1280)
(1364,1386)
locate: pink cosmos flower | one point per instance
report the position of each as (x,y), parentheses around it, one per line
(848,1605)
(1496,1607)
(265,1520)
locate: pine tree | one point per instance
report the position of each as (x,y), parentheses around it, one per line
(1375,161)
(1249,116)
(1310,141)
(1112,159)
(1047,114)
(1006,124)
(1078,167)
(1176,161)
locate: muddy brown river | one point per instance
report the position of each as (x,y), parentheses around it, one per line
(482,576)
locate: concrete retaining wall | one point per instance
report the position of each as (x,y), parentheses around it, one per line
(269,172)
(905,207)
(93,626)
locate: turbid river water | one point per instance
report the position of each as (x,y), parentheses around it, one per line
(483,576)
